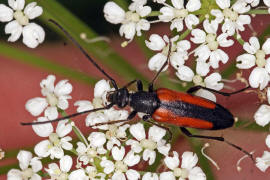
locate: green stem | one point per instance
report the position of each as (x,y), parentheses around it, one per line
(240,40)
(154,13)
(258,11)
(76,130)
(186,33)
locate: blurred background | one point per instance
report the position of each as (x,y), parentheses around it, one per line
(22,69)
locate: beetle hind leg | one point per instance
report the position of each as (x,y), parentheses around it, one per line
(187,133)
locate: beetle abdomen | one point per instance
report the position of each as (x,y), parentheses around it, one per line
(191,111)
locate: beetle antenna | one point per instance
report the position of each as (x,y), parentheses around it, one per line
(85,53)
(163,66)
(67,117)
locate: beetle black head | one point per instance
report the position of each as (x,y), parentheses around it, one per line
(119,97)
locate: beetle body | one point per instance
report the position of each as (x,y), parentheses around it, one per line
(177,108)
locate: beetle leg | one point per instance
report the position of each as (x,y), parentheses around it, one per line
(187,133)
(139,84)
(196,88)
(146,118)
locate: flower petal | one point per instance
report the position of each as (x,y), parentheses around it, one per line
(41,149)
(133,175)
(193,5)
(118,153)
(246,61)
(266,46)
(212,81)
(184,73)
(43,130)
(267,141)
(252,46)
(149,155)
(24,158)
(33,35)
(259,77)
(167,176)
(78,174)
(172,162)
(198,36)
(63,128)
(15,29)
(65,163)
(206,94)
(128,30)
(101,87)
(189,160)
(32,10)
(191,20)
(156,62)
(63,87)
(51,112)
(113,13)
(97,139)
(262,115)
(196,174)
(6,14)
(131,159)
(156,133)
(36,105)
(155,43)
(36,164)
(137,131)
(16,4)
(263,162)
(223,3)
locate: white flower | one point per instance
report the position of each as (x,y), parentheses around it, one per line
(33,34)
(57,141)
(60,173)
(101,89)
(210,44)
(233,17)
(29,167)
(158,43)
(90,172)
(55,97)
(150,176)
(259,77)
(177,14)
(177,57)
(267,3)
(188,166)
(122,163)
(149,145)
(212,81)
(132,21)
(264,162)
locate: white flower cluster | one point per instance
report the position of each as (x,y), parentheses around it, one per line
(222,23)
(18,19)
(110,153)
(230,18)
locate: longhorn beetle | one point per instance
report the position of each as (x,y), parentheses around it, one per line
(164,105)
